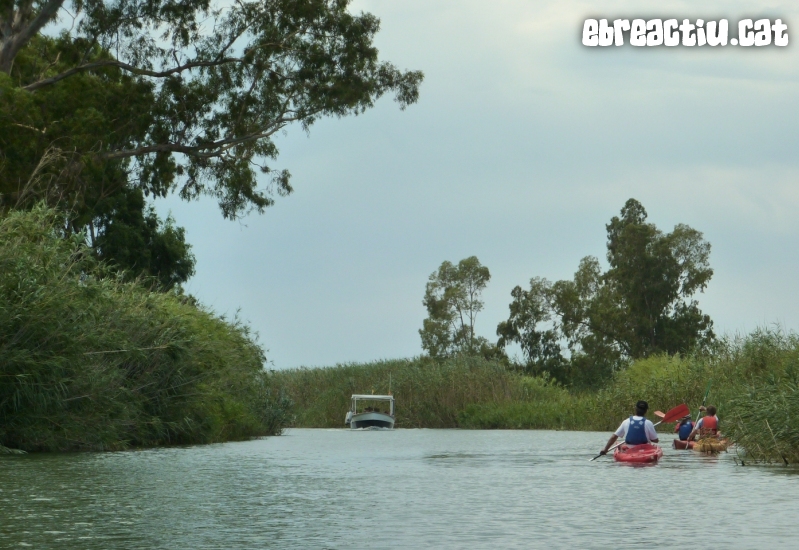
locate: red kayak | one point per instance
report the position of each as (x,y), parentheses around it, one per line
(638,454)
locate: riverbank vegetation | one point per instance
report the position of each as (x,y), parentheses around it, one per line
(591,347)
(433,393)
(90,361)
(99,348)
(752,379)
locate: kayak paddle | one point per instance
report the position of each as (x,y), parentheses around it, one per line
(677,412)
(699,412)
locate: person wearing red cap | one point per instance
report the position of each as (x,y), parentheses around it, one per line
(635,430)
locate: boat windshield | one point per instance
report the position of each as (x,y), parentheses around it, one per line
(383,404)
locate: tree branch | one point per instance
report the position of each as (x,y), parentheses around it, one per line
(127,67)
(22,31)
(208,150)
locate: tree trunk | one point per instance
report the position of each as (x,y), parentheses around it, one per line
(18,26)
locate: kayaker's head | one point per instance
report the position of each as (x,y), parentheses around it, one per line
(641,407)
(711,410)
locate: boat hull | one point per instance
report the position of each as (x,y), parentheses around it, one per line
(637,454)
(371,420)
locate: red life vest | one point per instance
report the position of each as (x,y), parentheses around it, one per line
(709,426)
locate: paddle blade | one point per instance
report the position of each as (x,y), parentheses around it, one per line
(677,412)
(660,414)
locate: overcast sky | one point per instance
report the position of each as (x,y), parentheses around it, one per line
(523,145)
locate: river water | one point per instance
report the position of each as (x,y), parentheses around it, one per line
(395,489)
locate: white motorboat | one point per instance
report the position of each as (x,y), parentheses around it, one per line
(371,411)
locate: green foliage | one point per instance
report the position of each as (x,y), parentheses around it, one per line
(209,85)
(763,421)
(452,300)
(168,96)
(42,136)
(529,310)
(542,404)
(52,140)
(652,279)
(429,393)
(642,306)
(459,392)
(754,382)
(764,415)
(88,361)
(133,239)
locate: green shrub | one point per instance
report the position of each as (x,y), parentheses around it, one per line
(88,361)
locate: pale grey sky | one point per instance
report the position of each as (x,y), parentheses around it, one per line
(523,145)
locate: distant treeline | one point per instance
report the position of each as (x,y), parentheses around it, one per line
(753,382)
(89,361)
(581,331)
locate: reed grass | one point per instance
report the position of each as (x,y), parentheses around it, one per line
(753,380)
(89,362)
(432,393)
(469,392)
(763,418)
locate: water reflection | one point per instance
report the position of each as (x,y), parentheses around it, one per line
(401,489)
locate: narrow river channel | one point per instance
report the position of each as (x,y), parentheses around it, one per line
(395,489)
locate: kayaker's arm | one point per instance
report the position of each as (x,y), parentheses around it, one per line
(610,443)
(651,434)
(697,426)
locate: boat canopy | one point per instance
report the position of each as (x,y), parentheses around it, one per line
(368,397)
(375,397)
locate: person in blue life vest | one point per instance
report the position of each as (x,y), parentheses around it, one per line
(684,428)
(707,426)
(635,430)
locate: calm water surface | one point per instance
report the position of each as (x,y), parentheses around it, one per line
(395,489)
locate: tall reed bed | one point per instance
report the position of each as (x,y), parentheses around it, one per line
(753,381)
(763,421)
(90,362)
(461,392)
(763,417)
(428,394)
(541,403)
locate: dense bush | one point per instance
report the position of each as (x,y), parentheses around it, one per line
(88,361)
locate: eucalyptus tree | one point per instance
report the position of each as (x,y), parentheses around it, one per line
(104,102)
(452,299)
(48,142)
(225,78)
(643,304)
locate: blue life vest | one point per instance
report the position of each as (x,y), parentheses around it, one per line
(636,433)
(685,430)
